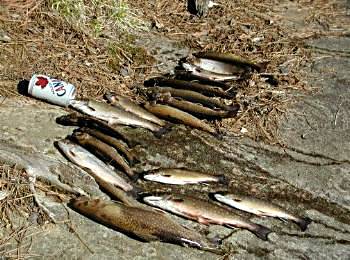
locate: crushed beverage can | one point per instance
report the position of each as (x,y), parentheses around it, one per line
(53,90)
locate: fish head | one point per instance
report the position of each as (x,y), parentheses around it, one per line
(163,202)
(70,149)
(158,176)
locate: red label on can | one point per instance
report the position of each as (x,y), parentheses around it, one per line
(42,82)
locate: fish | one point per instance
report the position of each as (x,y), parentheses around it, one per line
(230,59)
(144,224)
(204,212)
(191,96)
(102,150)
(260,207)
(113,115)
(112,141)
(197,109)
(128,105)
(218,67)
(188,76)
(195,70)
(90,122)
(172,113)
(180,176)
(94,166)
(194,86)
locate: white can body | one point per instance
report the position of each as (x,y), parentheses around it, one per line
(52,90)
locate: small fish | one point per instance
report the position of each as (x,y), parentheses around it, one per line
(128,105)
(260,208)
(182,177)
(172,113)
(113,115)
(89,162)
(231,59)
(218,67)
(194,108)
(102,150)
(188,76)
(204,212)
(112,141)
(145,224)
(191,96)
(194,86)
(195,70)
(92,123)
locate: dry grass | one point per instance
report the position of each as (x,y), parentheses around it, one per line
(91,44)
(17,198)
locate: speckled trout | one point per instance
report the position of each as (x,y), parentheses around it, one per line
(182,176)
(94,166)
(147,225)
(204,212)
(260,208)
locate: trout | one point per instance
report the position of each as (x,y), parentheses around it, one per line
(188,76)
(102,150)
(182,177)
(260,208)
(194,108)
(230,58)
(191,96)
(194,86)
(204,212)
(94,166)
(128,105)
(114,142)
(145,224)
(197,71)
(113,115)
(179,116)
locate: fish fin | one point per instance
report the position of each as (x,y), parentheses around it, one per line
(303,223)
(261,232)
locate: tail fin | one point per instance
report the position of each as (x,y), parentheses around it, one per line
(303,223)
(261,232)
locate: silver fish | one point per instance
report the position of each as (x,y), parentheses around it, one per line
(128,105)
(113,115)
(204,212)
(182,177)
(260,208)
(95,167)
(216,66)
(197,71)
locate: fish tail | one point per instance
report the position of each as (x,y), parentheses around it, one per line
(303,223)
(261,231)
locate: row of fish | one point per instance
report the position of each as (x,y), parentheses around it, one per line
(99,148)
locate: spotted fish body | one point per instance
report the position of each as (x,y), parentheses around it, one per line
(260,208)
(182,177)
(204,212)
(145,224)
(95,167)
(128,105)
(113,115)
